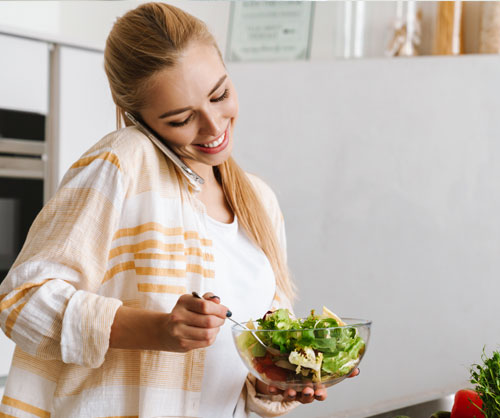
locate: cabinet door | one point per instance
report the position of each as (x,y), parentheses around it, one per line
(24,74)
(86,111)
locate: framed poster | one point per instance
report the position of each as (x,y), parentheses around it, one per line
(270,30)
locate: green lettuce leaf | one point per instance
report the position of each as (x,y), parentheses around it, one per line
(311,343)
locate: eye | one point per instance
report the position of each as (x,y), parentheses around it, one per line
(179,124)
(221,98)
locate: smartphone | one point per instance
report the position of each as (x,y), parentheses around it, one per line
(194,179)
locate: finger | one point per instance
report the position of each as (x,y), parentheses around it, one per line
(212,297)
(194,319)
(290,395)
(266,389)
(205,307)
(273,390)
(261,387)
(320,394)
(204,335)
(307,395)
(354,373)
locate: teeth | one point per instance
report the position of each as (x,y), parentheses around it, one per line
(215,143)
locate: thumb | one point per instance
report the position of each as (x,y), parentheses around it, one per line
(266,389)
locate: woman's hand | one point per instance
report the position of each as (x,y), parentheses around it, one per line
(306,396)
(194,323)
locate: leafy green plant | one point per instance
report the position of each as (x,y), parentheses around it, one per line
(486,378)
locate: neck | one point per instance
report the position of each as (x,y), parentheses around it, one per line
(212,194)
(205,171)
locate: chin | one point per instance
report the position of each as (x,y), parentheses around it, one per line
(223,156)
(220,159)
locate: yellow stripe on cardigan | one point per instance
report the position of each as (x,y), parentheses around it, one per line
(194,235)
(157,256)
(47,369)
(154,226)
(154,244)
(12,318)
(22,291)
(190,268)
(106,156)
(161,288)
(119,268)
(26,407)
(196,268)
(158,271)
(197,252)
(150,243)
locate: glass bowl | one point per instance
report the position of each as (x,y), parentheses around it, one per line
(333,353)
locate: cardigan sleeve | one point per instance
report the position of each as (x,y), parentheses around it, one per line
(269,406)
(49,301)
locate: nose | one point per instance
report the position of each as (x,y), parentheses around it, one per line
(211,122)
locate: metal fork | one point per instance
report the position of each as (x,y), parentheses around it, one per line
(272,350)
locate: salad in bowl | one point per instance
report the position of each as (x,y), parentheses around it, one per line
(288,352)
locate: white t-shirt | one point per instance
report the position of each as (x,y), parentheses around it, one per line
(245,283)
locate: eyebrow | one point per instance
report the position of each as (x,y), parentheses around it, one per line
(184,109)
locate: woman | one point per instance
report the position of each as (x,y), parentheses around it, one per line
(99,300)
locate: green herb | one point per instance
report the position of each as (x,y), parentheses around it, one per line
(441,414)
(486,377)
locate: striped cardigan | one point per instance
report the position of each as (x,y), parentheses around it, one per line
(123,228)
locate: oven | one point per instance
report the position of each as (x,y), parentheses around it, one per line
(22,173)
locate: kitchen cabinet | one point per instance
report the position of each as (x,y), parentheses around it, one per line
(65,83)
(85,111)
(24,74)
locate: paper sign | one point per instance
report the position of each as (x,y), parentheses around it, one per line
(270,30)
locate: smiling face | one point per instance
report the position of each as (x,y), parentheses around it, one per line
(193,107)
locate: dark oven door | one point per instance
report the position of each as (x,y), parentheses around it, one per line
(20,201)
(22,172)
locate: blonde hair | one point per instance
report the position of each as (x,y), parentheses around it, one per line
(149,39)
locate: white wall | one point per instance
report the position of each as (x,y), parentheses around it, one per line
(387,172)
